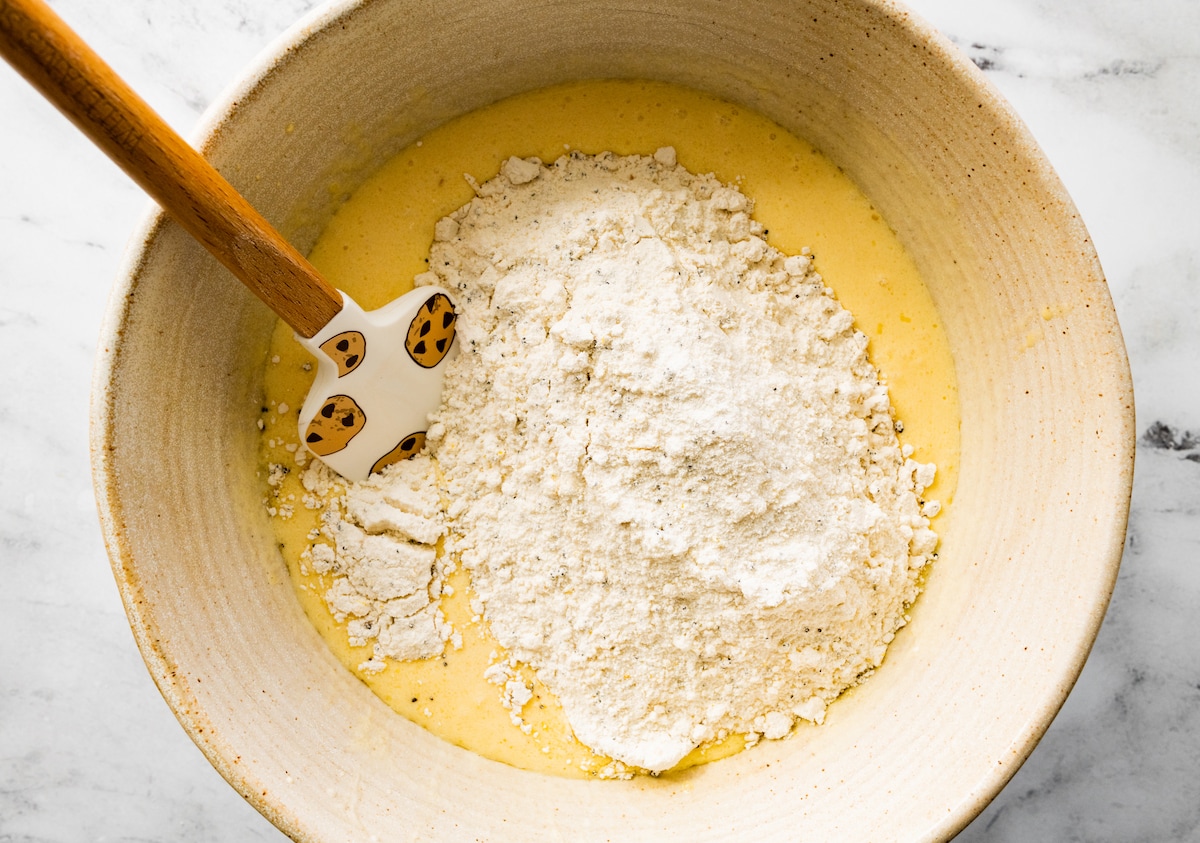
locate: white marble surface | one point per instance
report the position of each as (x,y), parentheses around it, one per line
(88,749)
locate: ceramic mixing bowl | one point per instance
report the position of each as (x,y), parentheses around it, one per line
(1027,562)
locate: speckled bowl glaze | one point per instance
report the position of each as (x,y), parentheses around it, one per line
(1028,560)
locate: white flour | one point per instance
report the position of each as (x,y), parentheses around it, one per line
(672,471)
(379,545)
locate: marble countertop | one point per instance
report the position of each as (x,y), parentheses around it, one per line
(89,750)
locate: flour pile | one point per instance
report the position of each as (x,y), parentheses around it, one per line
(672,471)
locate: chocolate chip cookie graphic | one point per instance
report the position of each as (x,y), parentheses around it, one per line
(347,349)
(431,332)
(409,446)
(334,425)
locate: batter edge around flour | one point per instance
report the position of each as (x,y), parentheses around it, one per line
(855,251)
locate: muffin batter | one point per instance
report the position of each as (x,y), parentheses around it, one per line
(371,249)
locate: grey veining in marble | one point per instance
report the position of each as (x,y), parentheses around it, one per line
(88,749)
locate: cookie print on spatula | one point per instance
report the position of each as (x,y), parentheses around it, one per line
(379,376)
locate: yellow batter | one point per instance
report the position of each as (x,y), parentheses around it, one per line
(380,239)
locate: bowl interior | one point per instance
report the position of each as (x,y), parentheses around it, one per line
(1026,565)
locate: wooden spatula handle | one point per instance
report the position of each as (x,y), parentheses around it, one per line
(68,73)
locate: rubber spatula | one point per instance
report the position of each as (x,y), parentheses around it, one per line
(379,373)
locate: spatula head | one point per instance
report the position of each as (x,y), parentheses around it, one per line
(379,376)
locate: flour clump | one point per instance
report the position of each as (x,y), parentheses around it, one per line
(672,471)
(378,543)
